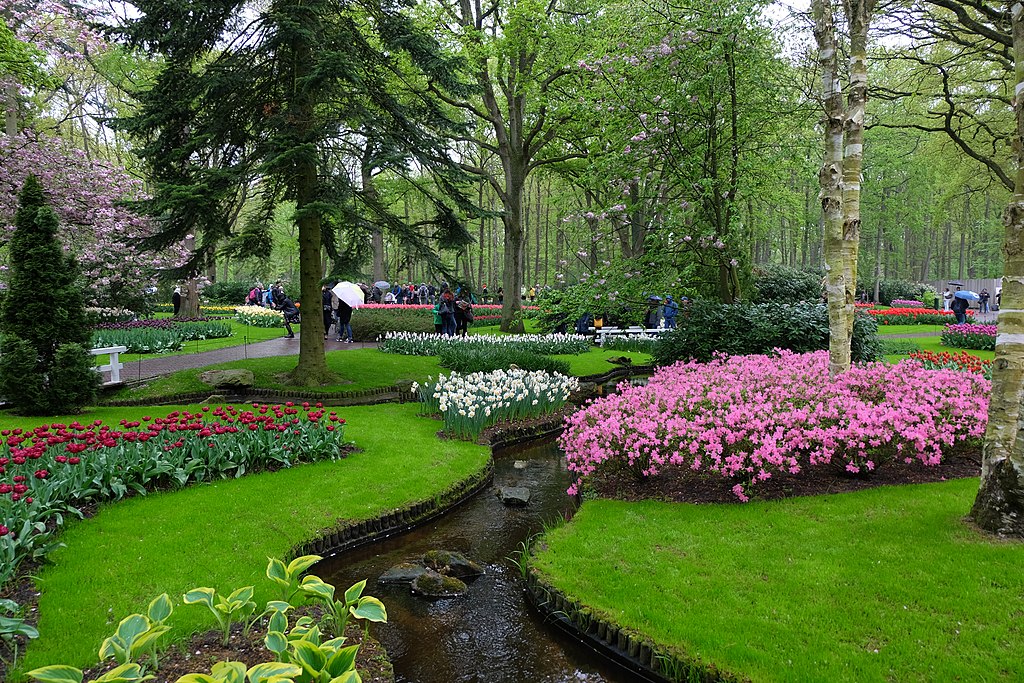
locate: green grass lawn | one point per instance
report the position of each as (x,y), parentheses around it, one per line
(909,329)
(358,368)
(220,535)
(881,585)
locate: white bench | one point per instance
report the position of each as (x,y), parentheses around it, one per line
(114,366)
(605,332)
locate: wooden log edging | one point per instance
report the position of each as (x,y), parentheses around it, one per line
(352,534)
(619,373)
(635,652)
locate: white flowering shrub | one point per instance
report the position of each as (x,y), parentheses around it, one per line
(416,344)
(471,403)
(257,316)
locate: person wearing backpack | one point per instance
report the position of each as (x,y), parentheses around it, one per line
(463,314)
(448,313)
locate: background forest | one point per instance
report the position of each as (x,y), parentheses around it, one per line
(604,143)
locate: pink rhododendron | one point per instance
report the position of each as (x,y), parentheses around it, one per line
(747,418)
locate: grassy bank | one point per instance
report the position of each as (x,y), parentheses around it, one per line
(358,369)
(220,535)
(881,585)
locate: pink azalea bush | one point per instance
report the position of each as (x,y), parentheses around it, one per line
(748,418)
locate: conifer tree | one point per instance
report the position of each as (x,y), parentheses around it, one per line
(44,365)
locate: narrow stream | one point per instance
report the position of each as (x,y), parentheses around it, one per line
(489,635)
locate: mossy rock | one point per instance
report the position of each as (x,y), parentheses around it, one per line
(451,563)
(430,584)
(406,572)
(229,379)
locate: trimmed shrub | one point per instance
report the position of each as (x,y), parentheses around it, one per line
(370,323)
(468,360)
(785,285)
(44,309)
(706,329)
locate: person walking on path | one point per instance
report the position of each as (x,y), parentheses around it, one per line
(959,308)
(176,300)
(983,298)
(344,322)
(327,297)
(463,314)
(671,311)
(448,313)
(438,320)
(947,299)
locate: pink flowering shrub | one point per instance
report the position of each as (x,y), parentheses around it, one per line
(748,418)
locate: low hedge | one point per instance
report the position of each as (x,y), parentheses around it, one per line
(467,360)
(708,328)
(370,323)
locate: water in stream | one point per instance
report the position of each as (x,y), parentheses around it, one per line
(489,635)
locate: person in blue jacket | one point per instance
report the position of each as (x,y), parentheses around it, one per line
(671,310)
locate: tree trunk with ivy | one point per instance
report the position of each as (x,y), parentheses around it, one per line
(999,505)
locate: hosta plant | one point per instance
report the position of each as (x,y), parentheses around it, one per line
(234,608)
(354,603)
(287,576)
(59,673)
(136,634)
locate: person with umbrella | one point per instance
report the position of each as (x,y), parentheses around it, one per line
(653,319)
(350,296)
(961,302)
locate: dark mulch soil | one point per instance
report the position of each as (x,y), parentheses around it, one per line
(205,649)
(685,486)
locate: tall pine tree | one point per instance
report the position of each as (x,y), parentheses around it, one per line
(271,97)
(44,366)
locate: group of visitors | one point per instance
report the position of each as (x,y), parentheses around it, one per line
(453,312)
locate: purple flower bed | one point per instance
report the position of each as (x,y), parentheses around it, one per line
(970,336)
(152,323)
(907,303)
(747,418)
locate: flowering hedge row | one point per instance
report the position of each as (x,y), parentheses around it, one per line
(430,307)
(54,469)
(907,303)
(970,336)
(471,403)
(413,344)
(912,316)
(748,418)
(963,361)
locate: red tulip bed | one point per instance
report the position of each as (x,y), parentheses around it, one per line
(912,316)
(56,469)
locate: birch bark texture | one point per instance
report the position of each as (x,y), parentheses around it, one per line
(999,505)
(840,174)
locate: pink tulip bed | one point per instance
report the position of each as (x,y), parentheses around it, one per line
(746,421)
(970,336)
(55,469)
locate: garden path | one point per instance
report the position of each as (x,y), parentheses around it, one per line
(154,367)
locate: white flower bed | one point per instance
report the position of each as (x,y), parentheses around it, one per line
(257,316)
(471,403)
(418,344)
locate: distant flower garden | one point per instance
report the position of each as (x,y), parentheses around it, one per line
(963,361)
(749,418)
(51,471)
(912,316)
(907,303)
(471,403)
(158,336)
(258,316)
(415,344)
(970,336)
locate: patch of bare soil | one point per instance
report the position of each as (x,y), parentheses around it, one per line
(685,486)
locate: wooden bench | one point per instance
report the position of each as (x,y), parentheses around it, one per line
(606,332)
(114,366)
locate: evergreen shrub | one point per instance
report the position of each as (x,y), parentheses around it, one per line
(43,318)
(707,328)
(786,285)
(370,323)
(467,360)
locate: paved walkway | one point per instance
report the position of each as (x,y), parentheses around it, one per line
(153,367)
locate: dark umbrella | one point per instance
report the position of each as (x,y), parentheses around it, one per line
(958,284)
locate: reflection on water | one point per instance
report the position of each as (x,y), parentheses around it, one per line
(488,635)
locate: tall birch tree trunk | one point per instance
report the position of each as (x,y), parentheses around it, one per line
(999,506)
(830,194)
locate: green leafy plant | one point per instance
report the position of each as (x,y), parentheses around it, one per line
(11,627)
(287,576)
(237,607)
(135,634)
(59,673)
(486,359)
(353,604)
